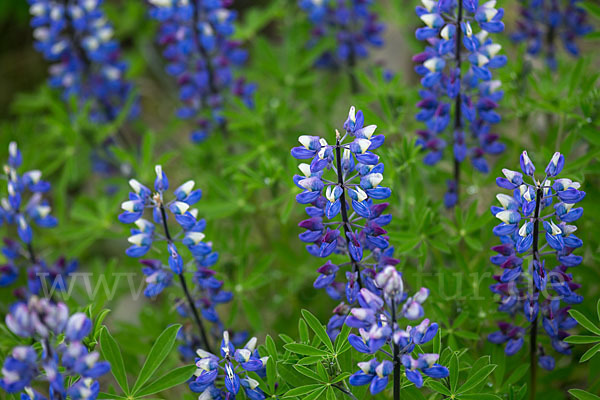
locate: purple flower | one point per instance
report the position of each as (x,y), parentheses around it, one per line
(536,211)
(469,99)
(201,56)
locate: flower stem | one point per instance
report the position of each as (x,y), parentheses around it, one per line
(457,103)
(184,286)
(534,324)
(346,221)
(396,359)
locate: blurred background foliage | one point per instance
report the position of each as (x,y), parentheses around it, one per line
(246,176)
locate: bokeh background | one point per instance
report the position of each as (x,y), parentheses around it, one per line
(247,176)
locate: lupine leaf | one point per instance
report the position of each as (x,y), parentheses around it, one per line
(318,329)
(341,377)
(478,377)
(271,373)
(271,347)
(438,387)
(477,365)
(170,379)
(342,338)
(517,375)
(111,352)
(598,309)
(317,393)
(303,331)
(304,349)
(109,396)
(437,342)
(309,372)
(310,360)
(453,373)
(582,339)
(330,394)
(159,351)
(584,321)
(583,395)
(299,391)
(590,353)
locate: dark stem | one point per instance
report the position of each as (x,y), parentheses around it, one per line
(457,103)
(351,65)
(184,286)
(345,220)
(396,358)
(346,392)
(534,324)
(50,356)
(32,256)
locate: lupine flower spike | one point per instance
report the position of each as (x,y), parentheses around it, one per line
(145,235)
(67,365)
(352,23)
(201,57)
(544,22)
(24,207)
(535,278)
(377,320)
(232,369)
(457,31)
(341,188)
(76,36)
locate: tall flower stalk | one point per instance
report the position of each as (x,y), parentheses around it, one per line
(354,26)
(199,303)
(202,58)
(470,97)
(346,220)
(535,292)
(543,23)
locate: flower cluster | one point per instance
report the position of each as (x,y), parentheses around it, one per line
(200,55)
(452,39)
(77,38)
(233,363)
(331,228)
(377,322)
(24,206)
(67,365)
(351,22)
(537,289)
(159,274)
(542,22)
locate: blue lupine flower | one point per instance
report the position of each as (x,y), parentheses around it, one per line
(78,39)
(534,209)
(201,57)
(426,364)
(25,203)
(44,321)
(471,97)
(231,368)
(349,202)
(377,322)
(25,206)
(350,22)
(543,23)
(159,273)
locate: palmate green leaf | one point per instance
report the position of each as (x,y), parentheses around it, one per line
(316,394)
(318,329)
(271,347)
(310,360)
(583,395)
(584,321)
(477,378)
(303,331)
(437,342)
(590,353)
(309,373)
(271,373)
(111,352)
(454,372)
(109,396)
(159,351)
(341,377)
(172,378)
(438,387)
(517,375)
(305,349)
(582,339)
(302,390)
(342,339)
